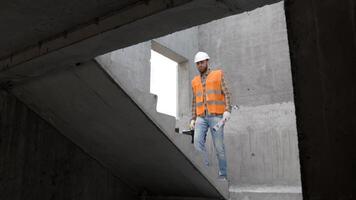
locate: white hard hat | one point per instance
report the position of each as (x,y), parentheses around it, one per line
(201,56)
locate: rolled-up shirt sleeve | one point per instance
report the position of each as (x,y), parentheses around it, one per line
(227,94)
(194,115)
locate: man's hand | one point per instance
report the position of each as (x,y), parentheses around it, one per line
(192,124)
(226,116)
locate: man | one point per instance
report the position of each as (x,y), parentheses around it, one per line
(210,104)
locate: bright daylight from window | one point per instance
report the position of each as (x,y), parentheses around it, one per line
(164,83)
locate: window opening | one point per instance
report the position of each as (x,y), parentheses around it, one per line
(163,83)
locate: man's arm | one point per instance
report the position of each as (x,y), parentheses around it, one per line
(227,94)
(194,115)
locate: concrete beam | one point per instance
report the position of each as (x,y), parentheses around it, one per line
(167,52)
(139,22)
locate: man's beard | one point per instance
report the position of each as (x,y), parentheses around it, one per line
(205,68)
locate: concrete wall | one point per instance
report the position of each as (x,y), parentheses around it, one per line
(37,162)
(261,138)
(184,43)
(127,67)
(130,67)
(132,79)
(253,50)
(322,38)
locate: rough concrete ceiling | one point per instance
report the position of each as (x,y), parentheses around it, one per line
(42,36)
(29,22)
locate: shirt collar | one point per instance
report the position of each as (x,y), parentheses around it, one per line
(205,73)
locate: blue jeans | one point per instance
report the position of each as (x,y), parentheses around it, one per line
(202,125)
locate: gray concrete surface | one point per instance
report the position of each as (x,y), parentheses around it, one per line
(321,35)
(130,68)
(266,192)
(252,49)
(322,40)
(55,42)
(38,162)
(89,108)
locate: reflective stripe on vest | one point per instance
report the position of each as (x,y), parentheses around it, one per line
(213,92)
(215,99)
(216,102)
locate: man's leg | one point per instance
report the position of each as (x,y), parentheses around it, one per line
(201,129)
(218,141)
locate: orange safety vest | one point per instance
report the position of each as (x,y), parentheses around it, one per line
(215,99)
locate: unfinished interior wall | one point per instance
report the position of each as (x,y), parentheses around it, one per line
(37,162)
(127,66)
(322,38)
(261,138)
(130,67)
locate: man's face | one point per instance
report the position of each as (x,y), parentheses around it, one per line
(202,66)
